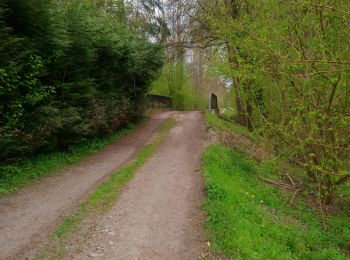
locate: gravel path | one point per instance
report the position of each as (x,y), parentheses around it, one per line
(27,217)
(158,213)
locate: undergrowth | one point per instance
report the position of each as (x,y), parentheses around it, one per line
(249,219)
(17,174)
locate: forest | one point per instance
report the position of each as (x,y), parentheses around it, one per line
(283,69)
(72,71)
(68,72)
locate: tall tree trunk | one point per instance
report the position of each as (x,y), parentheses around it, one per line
(241,113)
(249,116)
(232,9)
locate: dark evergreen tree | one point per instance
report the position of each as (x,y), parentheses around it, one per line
(68,72)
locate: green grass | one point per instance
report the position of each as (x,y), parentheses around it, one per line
(104,197)
(248,219)
(15,175)
(220,125)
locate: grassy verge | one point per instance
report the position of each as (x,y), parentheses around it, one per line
(15,175)
(104,196)
(249,219)
(212,121)
(229,113)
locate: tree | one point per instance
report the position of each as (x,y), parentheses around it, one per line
(68,71)
(290,64)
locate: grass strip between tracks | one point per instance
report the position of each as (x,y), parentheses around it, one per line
(103,198)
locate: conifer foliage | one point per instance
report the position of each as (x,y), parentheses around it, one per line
(68,71)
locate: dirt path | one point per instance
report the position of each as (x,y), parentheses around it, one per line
(30,215)
(158,213)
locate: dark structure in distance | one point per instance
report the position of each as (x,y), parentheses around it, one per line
(158,102)
(213,102)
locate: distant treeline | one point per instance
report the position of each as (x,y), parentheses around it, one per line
(68,72)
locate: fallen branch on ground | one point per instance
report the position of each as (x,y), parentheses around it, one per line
(278,183)
(284,185)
